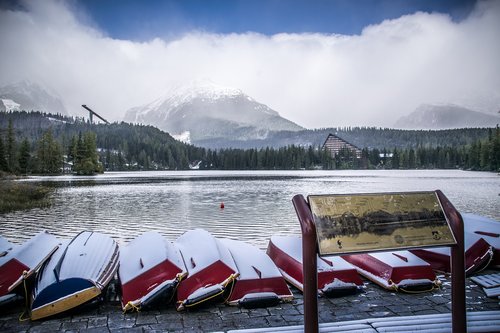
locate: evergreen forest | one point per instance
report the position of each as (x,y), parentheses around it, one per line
(40,143)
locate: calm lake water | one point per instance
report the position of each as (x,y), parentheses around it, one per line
(257,203)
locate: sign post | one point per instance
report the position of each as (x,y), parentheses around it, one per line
(458,312)
(358,223)
(310,268)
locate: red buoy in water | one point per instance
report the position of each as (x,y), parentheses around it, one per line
(222,205)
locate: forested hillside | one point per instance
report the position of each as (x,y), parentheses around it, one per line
(34,142)
(369,137)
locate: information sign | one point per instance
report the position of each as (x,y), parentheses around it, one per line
(376,222)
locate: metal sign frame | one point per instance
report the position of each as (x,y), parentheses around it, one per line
(310,252)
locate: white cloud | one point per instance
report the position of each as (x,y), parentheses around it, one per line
(316,80)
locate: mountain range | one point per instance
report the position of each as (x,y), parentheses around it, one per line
(212,116)
(203,110)
(29,96)
(447,116)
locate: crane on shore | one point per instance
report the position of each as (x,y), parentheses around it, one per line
(92,114)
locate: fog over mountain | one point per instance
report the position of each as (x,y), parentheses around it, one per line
(29,96)
(316,80)
(447,116)
(204,110)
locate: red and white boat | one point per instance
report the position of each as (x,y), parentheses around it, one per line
(487,229)
(260,283)
(150,267)
(478,255)
(395,270)
(210,266)
(336,277)
(19,262)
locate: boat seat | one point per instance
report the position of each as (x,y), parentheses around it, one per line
(483,321)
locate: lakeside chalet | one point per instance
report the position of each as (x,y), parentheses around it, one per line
(334,144)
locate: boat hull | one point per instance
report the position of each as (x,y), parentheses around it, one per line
(260,283)
(62,296)
(210,267)
(478,255)
(143,290)
(397,270)
(20,262)
(75,274)
(335,275)
(12,271)
(487,229)
(150,269)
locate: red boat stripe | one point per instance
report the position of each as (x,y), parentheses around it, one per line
(216,273)
(276,285)
(12,270)
(139,286)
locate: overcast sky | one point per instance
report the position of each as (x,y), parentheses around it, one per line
(318,63)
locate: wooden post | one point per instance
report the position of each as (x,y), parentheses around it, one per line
(309,264)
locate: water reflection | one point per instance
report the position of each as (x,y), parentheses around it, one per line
(257,204)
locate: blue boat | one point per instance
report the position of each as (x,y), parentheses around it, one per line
(75,274)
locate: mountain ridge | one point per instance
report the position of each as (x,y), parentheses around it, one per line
(445,116)
(209,111)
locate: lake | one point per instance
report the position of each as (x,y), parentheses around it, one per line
(257,203)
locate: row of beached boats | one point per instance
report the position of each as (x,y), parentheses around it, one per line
(57,275)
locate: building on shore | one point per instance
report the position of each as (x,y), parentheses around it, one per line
(334,144)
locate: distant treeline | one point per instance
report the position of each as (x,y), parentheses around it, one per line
(79,146)
(363,137)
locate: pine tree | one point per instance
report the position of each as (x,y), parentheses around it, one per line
(49,154)
(86,161)
(3,160)
(24,156)
(395,159)
(11,148)
(495,151)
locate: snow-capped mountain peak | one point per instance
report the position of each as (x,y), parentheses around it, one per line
(203,88)
(179,95)
(208,110)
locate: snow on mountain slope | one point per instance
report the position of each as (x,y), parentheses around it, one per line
(29,96)
(9,105)
(207,110)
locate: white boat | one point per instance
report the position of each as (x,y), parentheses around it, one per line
(75,274)
(20,262)
(210,266)
(260,283)
(336,277)
(150,267)
(395,270)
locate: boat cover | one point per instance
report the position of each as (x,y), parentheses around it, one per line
(18,262)
(260,283)
(210,266)
(395,270)
(150,266)
(335,275)
(76,273)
